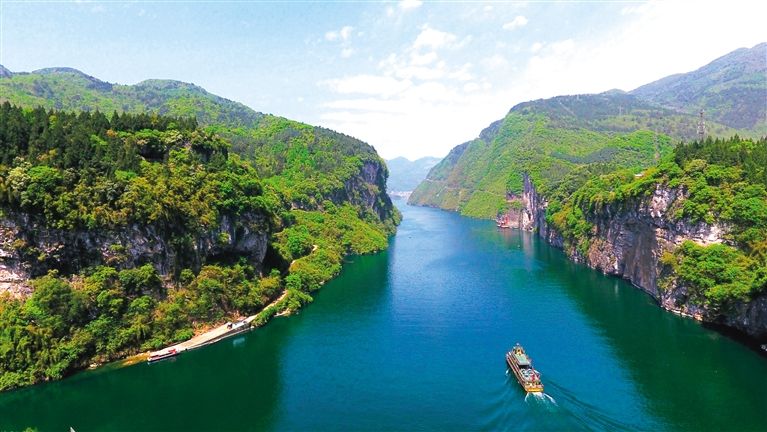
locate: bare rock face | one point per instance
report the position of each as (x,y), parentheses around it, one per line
(28,249)
(367,190)
(628,241)
(523,214)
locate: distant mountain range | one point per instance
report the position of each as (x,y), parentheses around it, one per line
(71,89)
(553,139)
(275,143)
(732,90)
(405,175)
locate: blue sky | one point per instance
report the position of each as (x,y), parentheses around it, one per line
(411,78)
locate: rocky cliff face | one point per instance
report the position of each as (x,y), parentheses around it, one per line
(367,190)
(29,249)
(628,241)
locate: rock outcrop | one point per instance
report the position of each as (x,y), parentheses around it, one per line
(629,240)
(368,190)
(29,249)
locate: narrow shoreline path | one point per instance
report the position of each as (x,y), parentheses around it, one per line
(211,336)
(206,338)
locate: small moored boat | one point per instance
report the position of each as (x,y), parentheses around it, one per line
(522,366)
(237,327)
(162,355)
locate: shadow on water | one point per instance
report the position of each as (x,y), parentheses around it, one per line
(188,392)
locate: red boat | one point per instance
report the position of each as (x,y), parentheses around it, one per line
(162,355)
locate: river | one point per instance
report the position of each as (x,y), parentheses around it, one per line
(414,338)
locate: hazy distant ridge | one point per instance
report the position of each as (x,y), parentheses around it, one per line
(404,174)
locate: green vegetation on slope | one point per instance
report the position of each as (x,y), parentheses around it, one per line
(722,181)
(76,171)
(86,171)
(72,90)
(304,165)
(551,141)
(731,90)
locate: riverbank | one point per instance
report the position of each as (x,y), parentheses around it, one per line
(377,335)
(209,336)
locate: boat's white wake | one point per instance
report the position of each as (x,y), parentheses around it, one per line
(541,398)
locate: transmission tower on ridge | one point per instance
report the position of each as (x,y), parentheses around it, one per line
(701,127)
(655,142)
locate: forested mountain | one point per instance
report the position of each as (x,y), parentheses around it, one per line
(307,164)
(549,139)
(405,175)
(123,229)
(276,145)
(553,138)
(732,90)
(606,178)
(70,89)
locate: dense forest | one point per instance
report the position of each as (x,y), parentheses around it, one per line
(305,165)
(723,181)
(548,140)
(90,172)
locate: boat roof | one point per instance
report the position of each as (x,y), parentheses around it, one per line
(522,359)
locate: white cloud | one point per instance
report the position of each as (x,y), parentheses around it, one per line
(463,73)
(383,86)
(344,37)
(496,61)
(423,59)
(434,39)
(427,97)
(410,4)
(471,87)
(629,55)
(331,36)
(344,34)
(517,22)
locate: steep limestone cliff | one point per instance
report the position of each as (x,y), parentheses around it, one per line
(29,249)
(368,190)
(629,240)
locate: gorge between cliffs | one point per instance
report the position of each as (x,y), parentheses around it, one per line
(629,241)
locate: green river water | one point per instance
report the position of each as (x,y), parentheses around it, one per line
(414,339)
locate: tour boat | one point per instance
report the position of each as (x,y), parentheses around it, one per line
(161,355)
(522,366)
